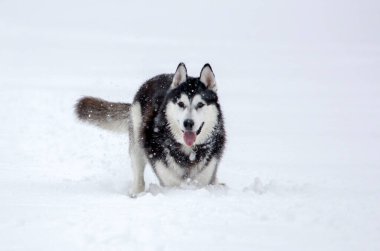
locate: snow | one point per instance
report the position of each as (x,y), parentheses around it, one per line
(299,84)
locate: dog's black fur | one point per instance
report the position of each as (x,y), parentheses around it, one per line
(156,137)
(152,138)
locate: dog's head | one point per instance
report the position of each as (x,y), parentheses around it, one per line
(192,108)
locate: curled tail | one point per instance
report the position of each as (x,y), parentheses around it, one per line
(104,114)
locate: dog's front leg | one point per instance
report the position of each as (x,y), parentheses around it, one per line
(207,175)
(136,151)
(138,166)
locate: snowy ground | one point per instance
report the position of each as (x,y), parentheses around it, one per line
(300,87)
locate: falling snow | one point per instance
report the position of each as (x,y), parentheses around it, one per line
(298,82)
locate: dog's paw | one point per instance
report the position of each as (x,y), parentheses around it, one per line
(218,188)
(220,185)
(217,183)
(136,191)
(134,195)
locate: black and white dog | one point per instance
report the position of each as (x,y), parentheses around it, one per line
(175,123)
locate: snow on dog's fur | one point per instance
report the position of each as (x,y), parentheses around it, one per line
(175,123)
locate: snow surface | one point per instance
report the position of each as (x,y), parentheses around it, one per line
(299,83)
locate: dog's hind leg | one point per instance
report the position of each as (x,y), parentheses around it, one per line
(138,159)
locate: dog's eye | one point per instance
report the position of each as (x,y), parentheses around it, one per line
(200,105)
(181,104)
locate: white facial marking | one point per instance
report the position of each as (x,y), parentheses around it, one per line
(176,115)
(204,116)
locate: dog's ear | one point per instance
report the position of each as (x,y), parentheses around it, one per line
(207,77)
(180,75)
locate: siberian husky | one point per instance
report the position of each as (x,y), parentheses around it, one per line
(174,122)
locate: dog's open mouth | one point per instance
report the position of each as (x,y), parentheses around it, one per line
(190,136)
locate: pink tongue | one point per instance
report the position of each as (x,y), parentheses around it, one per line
(189,138)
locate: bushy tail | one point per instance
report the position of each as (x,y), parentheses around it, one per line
(104,114)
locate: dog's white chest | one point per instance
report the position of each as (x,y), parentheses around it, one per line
(174,175)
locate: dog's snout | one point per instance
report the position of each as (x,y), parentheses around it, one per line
(188,124)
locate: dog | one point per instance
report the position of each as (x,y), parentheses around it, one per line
(175,123)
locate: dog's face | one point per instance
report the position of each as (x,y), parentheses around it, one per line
(192,110)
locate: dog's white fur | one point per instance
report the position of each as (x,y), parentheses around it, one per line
(136,151)
(207,115)
(120,116)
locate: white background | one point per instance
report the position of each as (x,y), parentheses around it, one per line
(299,84)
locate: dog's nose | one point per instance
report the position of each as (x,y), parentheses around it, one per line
(188,124)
